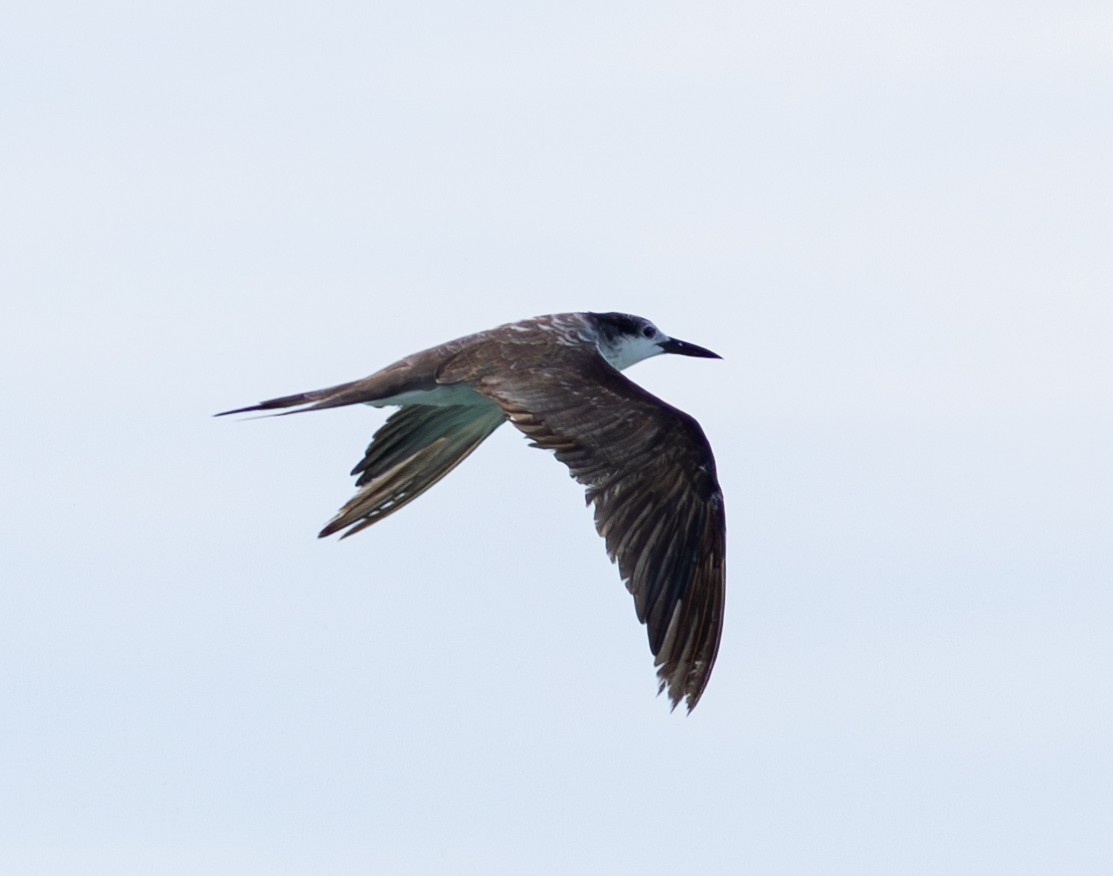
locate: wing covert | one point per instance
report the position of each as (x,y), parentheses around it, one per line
(650,473)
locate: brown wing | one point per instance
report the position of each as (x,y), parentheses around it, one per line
(650,472)
(416,447)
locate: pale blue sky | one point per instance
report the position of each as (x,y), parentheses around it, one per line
(894,222)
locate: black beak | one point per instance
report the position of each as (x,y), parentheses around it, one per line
(672,345)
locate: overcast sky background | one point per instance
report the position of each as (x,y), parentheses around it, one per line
(893,221)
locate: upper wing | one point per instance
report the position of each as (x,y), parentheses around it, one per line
(650,472)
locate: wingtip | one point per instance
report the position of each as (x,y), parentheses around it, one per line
(331,528)
(676,696)
(680,690)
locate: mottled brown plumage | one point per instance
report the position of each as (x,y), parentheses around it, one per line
(647,467)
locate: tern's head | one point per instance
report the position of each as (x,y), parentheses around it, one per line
(624,339)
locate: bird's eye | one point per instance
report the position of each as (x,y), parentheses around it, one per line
(649,331)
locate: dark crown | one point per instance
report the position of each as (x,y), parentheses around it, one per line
(616,325)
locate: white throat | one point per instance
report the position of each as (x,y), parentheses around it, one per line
(629,350)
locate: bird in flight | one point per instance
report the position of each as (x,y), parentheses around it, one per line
(647,467)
